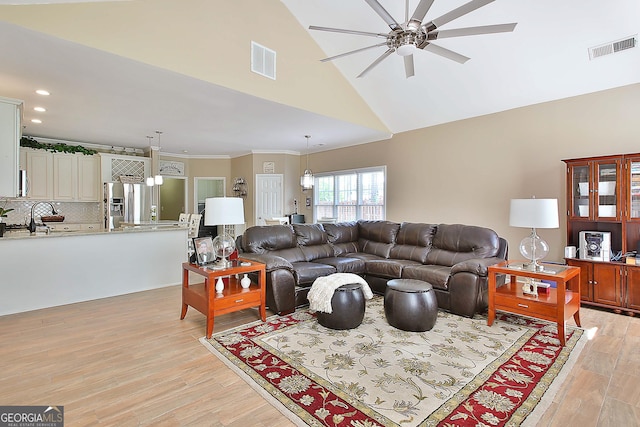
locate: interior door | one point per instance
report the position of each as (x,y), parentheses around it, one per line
(173,198)
(269,197)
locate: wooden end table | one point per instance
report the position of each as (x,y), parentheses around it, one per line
(557,305)
(203,296)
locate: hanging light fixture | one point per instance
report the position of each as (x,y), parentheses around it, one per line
(150,181)
(158,178)
(306,180)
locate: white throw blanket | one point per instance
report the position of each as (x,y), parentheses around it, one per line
(323,287)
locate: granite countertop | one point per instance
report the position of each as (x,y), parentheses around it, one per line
(25,234)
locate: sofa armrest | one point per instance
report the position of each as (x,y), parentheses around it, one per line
(272,262)
(476,266)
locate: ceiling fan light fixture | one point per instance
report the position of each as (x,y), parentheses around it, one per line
(406,49)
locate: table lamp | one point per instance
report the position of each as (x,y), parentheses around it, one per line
(223,211)
(534,213)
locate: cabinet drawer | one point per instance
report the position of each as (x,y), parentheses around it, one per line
(244,298)
(525,306)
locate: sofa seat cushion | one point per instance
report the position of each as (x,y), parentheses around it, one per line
(437,275)
(307,272)
(363,256)
(344,264)
(391,268)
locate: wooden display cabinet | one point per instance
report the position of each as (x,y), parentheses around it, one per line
(603,194)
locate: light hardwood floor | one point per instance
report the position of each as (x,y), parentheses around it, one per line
(130,361)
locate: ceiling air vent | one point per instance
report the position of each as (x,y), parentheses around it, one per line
(263,61)
(613,47)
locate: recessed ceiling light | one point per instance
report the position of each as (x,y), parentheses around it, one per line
(40,109)
(43,92)
(36,121)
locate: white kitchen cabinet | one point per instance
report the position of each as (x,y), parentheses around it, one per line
(89,182)
(10,132)
(115,165)
(71,226)
(39,174)
(63,176)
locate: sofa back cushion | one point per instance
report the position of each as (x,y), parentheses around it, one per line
(413,242)
(377,237)
(454,243)
(313,241)
(275,239)
(343,236)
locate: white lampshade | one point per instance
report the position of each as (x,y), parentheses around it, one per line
(534,213)
(158,180)
(150,181)
(223,211)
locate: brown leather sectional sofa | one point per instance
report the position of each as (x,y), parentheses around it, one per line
(452,257)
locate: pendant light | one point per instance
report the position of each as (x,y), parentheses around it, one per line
(150,180)
(306,180)
(158,178)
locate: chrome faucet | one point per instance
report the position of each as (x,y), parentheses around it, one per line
(32,224)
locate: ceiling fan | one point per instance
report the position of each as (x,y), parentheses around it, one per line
(414,35)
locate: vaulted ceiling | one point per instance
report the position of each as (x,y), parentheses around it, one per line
(119,71)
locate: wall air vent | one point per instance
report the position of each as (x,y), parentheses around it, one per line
(263,61)
(613,47)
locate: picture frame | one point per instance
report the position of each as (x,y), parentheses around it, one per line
(203,247)
(169,167)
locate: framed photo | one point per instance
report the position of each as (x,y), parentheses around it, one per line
(167,167)
(204,250)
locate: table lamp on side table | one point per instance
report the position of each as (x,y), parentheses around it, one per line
(534,213)
(223,211)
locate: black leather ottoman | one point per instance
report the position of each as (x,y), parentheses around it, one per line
(410,305)
(347,306)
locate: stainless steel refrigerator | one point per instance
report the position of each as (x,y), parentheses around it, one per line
(126,203)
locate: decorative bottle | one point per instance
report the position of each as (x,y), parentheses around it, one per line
(245,282)
(219,285)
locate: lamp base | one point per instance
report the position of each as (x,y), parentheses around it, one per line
(221,264)
(532,266)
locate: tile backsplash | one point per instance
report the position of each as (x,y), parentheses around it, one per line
(74,212)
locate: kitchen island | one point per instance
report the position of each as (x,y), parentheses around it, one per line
(47,270)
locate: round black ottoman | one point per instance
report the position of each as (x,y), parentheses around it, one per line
(347,306)
(410,305)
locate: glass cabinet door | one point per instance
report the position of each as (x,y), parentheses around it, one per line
(580,191)
(634,189)
(607,191)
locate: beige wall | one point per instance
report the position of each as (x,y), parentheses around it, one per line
(467,171)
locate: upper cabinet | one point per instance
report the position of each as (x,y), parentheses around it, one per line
(62,176)
(595,189)
(10,132)
(632,168)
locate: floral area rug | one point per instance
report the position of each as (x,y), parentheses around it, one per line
(461,373)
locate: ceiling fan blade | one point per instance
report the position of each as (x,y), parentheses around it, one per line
(409,70)
(421,10)
(455,13)
(352,52)
(340,30)
(446,53)
(386,16)
(471,31)
(376,62)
